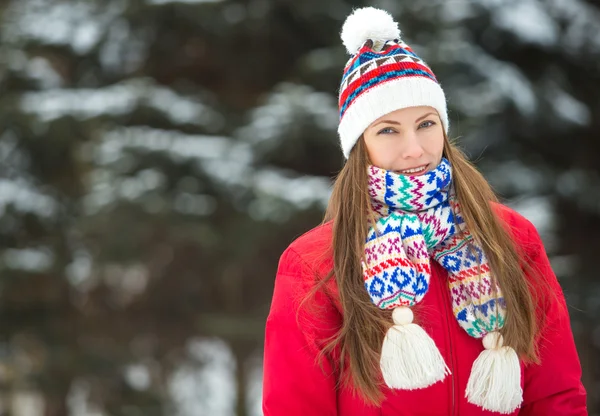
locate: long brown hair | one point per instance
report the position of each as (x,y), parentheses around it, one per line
(364,325)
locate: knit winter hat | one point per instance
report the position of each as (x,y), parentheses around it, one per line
(383,75)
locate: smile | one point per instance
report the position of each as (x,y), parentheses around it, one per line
(412,171)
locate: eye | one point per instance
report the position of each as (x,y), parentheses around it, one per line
(390,129)
(427,123)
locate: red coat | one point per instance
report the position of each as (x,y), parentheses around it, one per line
(295,385)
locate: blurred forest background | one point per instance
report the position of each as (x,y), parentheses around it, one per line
(157,156)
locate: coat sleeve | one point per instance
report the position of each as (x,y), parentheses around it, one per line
(554,386)
(293,382)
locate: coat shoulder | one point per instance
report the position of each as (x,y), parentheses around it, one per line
(522,230)
(311,252)
(315,239)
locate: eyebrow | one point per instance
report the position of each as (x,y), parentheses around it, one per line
(396,123)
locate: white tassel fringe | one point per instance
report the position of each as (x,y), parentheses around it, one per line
(409,357)
(495,380)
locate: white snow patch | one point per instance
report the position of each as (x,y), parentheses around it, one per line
(119,99)
(529,21)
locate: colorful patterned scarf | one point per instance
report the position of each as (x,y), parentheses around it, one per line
(418,218)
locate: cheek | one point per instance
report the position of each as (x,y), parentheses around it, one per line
(379,153)
(377,156)
(435,144)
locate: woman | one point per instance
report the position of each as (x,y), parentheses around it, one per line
(420,294)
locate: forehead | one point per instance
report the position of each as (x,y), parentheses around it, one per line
(407,114)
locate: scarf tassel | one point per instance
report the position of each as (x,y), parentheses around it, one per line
(409,357)
(495,380)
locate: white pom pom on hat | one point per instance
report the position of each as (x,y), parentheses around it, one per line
(368,23)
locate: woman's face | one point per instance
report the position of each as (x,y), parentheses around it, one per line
(408,141)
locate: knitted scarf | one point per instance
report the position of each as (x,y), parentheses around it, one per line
(418,219)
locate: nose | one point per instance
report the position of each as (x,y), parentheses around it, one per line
(411,148)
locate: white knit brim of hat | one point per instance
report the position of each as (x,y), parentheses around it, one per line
(387,97)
